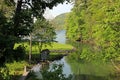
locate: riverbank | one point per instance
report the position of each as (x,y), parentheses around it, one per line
(15,69)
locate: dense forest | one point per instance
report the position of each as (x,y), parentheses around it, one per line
(96,22)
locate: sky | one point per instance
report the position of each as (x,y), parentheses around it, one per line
(57,10)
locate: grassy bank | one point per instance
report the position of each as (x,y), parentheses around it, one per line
(36,53)
(53,46)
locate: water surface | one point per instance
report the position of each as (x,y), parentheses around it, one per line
(60,37)
(85,70)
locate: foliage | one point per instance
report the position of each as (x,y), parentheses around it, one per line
(59,21)
(43,33)
(19,53)
(96,23)
(54,73)
(16,68)
(4,74)
(85,52)
(16,21)
(6,39)
(12,71)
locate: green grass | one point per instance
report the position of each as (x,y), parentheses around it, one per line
(16,68)
(13,70)
(54,46)
(53,56)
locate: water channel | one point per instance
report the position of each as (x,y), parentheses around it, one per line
(83,70)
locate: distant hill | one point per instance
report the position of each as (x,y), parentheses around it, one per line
(59,21)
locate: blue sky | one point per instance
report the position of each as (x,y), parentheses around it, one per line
(59,9)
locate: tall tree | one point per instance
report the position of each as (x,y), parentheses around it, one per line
(43,33)
(37,9)
(19,22)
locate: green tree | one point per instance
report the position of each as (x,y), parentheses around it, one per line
(76,27)
(6,38)
(18,22)
(43,33)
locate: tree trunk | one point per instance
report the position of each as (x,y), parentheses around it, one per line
(40,46)
(17,16)
(30,48)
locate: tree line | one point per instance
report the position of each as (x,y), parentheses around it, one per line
(97,23)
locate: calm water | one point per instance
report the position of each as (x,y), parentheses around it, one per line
(61,38)
(88,70)
(82,70)
(94,70)
(66,67)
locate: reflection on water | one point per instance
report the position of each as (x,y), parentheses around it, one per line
(66,66)
(95,70)
(85,70)
(91,77)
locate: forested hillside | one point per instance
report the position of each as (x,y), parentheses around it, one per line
(96,22)
(59,21)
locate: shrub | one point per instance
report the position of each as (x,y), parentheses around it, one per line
(19,53)
(4,74)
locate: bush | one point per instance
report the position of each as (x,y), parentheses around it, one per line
(4,74)
(19,53)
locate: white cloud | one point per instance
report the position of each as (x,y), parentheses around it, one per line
(57,10)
